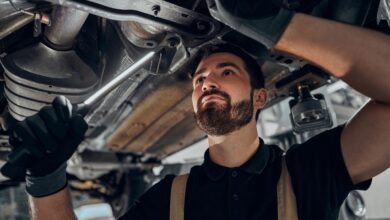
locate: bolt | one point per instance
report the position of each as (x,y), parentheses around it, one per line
(200,25)
(156,9)
(173,41)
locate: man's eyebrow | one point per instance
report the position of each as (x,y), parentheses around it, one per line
(199,72)
(219,66)
(225,64)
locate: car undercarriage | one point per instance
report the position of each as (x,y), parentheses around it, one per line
(73,48)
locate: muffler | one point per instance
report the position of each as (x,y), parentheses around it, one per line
(36,74)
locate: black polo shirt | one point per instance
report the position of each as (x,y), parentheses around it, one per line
(320,181)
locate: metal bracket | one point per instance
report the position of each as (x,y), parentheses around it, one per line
(173,17)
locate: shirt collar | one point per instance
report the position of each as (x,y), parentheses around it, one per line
(255,165)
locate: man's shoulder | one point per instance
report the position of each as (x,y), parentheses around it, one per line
(165,183)
(317,153)
(156,199)
(323,139)
(159,190)
(275,153)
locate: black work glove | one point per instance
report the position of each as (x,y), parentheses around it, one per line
(261,20)
(42,145)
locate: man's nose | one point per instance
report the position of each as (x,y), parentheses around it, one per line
(209,83)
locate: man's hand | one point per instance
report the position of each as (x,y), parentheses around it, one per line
(42,145)
(261,20)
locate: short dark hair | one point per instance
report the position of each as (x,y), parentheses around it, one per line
(251,66)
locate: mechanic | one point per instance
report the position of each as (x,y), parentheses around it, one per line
(240,174)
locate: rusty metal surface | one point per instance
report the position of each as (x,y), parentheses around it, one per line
(154,115)
(179,137)
(159,128)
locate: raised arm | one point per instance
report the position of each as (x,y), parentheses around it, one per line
(55,206)
(360,57)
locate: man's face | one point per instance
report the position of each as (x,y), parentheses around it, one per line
(222,97)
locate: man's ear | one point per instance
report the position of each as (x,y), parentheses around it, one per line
(259,98)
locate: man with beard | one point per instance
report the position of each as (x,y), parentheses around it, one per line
(240,176)
(217,119)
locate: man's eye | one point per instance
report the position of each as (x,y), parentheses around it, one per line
(199,80)
(227,72)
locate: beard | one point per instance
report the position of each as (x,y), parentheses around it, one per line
(221,119)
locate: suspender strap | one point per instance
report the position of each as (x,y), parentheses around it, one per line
(178,193)
(287,207)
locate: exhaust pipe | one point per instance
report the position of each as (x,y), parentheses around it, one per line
(36,74)
(66,24)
